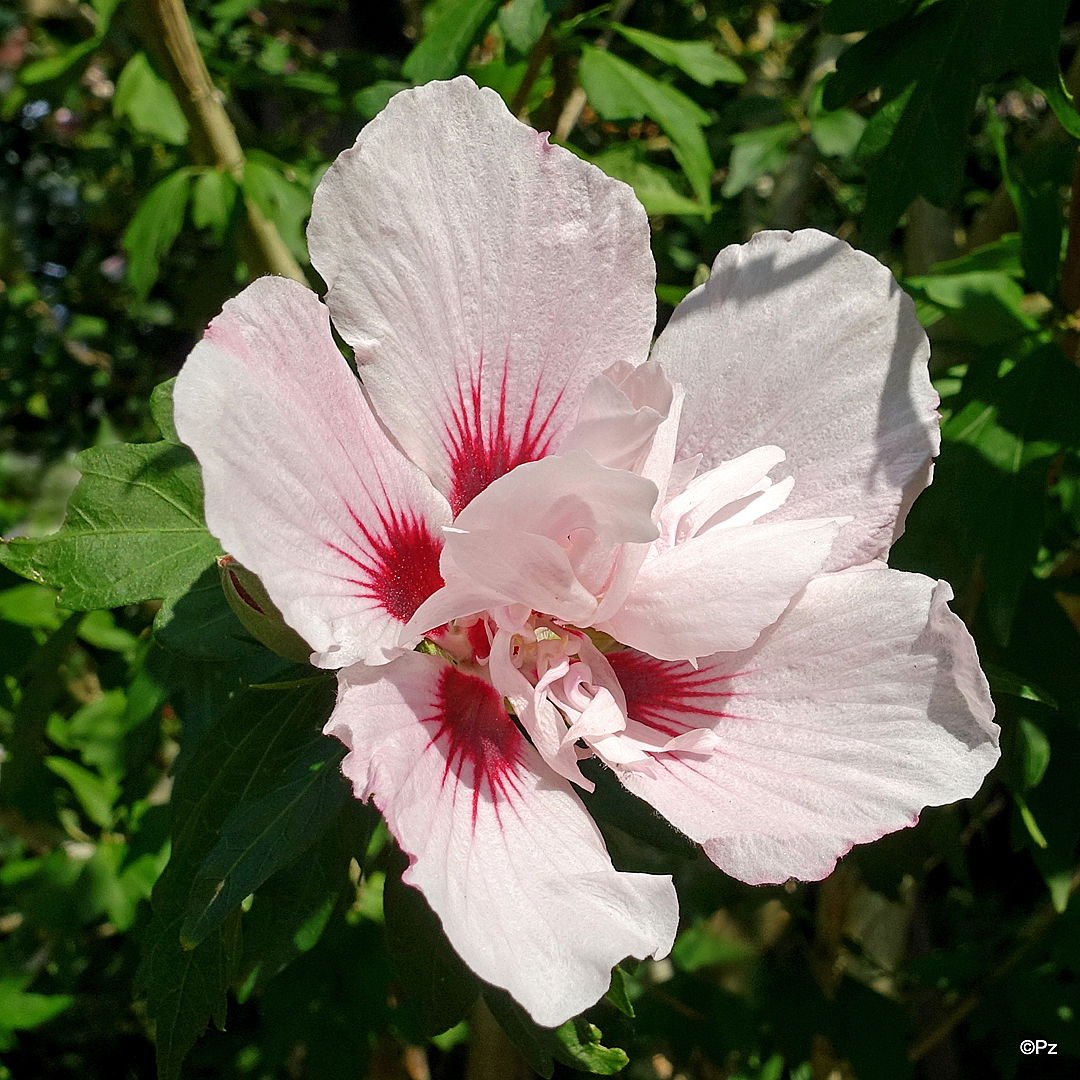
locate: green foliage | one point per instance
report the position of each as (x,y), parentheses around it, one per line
(134,530)
(452,27)
(620,91)
(154,229)
(940,58)
(140,752)
(147,101)
(698,59)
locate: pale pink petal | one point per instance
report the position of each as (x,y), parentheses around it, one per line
(800,342)
(716,592)
(547,534)
(745,478)
(501,847)
(483,276)
(536,714)
(862,705)
(302,485)
(620,414)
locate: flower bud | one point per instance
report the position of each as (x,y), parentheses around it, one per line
(253,607)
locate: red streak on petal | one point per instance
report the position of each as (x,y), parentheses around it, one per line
(399,562)
(482,745)
(482,452)
(243,593)
(658,691)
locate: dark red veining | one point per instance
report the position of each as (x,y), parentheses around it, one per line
(482,453)
(399,561)
(243,593)
(660,693)
(483,747)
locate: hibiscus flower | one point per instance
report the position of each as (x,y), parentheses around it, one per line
(524,542)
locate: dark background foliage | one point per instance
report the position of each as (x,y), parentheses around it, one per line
(937,134)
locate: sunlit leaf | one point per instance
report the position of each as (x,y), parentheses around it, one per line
(651,185)
(213,197)
(698,59)
(134,530)
(154,229)
(147,101)
(619,91)
(756,153)
(451,29)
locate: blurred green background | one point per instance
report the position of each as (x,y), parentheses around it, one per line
(937,134)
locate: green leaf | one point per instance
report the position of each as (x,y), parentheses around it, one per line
(213,197)
(580,1046)
(286,204)
(161,410)
(950,49)
(437,983)
(184,988)
(575,1043)
(371,101)
(20,1010)
(263,834)
(30,605)
(451,29)
(986,304)
(618,994)
(698,59)
(100,630)
(1016,422)
(837,134)
(880,127)
(201,624)
(51,67)
(290,911)
(619,91)
(1006,682)
(259,788)
(134,530)
(96,796)
(1036,197)
(246,755)
(154,229)
(148,102)
(756,153)
(24,779)
(651,185)
(1000,255)
(708,945)
(1034,753)
(522,22)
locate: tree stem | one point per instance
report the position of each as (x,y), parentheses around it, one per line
(166,31)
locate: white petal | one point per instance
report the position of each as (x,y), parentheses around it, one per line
(302,484)
(718,591)
(689,512)
(547,534)
(500,846)
(862,705)
(619,415)
(798,341)
(483,276)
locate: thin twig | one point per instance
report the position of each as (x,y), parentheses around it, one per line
(575,103)
(167,32)
(537,55)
